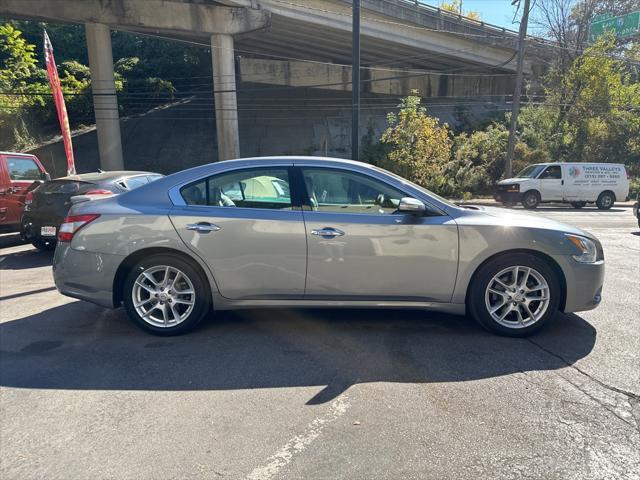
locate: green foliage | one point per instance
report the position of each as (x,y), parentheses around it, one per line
(419,147)
(634,188)
(477,162)
(371,150)
(18,68)
(28,113)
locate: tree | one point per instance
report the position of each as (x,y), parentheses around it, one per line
(419,147)
(455,6)
(21,84)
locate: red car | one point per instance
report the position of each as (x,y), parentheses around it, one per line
(18,172)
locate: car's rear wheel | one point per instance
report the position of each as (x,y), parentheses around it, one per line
(166,295)
(514,294)
(530,200)
(605,201)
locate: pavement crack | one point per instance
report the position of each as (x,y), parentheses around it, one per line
(631,395)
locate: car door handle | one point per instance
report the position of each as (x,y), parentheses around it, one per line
(15,189)
(328,232)
(203,227)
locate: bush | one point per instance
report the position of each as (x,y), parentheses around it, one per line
(419,147)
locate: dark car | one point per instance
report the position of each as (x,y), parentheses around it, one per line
(47,205)
(636,209)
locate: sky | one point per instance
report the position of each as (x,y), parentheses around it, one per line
(496,12)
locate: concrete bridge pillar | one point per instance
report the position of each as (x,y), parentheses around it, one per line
(226,104)
(105,101)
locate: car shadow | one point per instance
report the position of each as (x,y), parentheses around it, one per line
(26,259)
(80,346)
(10,239)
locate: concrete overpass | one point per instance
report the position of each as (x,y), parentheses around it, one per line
(400,34)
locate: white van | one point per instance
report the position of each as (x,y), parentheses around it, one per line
(574,183)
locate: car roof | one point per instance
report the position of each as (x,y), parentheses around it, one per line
(101,176)
(18,153)
(577,163)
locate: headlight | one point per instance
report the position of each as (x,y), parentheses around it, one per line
(587,248)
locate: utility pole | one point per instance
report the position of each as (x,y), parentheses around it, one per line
(515,110)
(355,82)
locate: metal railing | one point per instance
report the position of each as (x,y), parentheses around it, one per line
(452,15)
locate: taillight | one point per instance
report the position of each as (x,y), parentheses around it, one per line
(98,191)
(72,224)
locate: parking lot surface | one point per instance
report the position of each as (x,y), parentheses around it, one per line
(320,393)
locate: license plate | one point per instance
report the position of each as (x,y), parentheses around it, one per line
(48,231)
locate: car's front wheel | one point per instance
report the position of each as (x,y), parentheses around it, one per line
(531,200)
(166,295)
(514,294)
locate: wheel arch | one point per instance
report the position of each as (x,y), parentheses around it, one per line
(532,190)
(542,256)
(131,260)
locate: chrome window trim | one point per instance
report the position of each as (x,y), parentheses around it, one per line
(301,162)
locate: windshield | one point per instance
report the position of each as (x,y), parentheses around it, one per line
(531,171)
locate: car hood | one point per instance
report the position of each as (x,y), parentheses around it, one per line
(479,215)
(506,181)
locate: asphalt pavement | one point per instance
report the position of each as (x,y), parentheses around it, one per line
(315,394)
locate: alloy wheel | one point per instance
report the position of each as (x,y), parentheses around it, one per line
(163,296)
(517,297)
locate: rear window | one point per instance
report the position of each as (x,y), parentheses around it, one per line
(64,186)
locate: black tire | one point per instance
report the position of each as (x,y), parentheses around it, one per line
(578,204)
(202,292)
(476,298)
(531,200)
(44,245)
(605,200)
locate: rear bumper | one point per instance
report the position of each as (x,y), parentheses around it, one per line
(30,228)
(584,283)
(85,275)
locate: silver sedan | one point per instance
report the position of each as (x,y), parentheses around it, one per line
(318,232)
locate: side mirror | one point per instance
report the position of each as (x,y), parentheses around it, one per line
(411,205)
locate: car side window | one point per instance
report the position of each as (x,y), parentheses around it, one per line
(23,169)
(251,188)
(341,191)
(552,172)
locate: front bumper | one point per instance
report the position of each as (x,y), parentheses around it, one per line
(85,275)
(584,283)
(507,197)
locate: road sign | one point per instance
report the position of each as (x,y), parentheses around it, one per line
(622,26)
